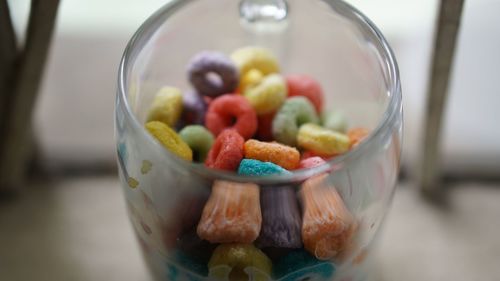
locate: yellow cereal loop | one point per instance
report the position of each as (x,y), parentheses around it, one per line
(268,95)
(258,58)
(170,139)
(166,106)
(251,78)
(320,140)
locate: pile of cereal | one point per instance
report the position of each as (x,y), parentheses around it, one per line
(244,116)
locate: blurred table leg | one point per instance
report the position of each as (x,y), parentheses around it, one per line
(448,24)
(16,132)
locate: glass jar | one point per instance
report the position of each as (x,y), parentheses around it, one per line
(328,40)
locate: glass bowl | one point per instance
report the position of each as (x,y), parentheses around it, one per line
(165,195)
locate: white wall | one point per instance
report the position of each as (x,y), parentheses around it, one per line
(74,116)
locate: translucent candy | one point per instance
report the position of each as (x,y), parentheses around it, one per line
(239,262)
(327,226)
(281,218)
(232,213)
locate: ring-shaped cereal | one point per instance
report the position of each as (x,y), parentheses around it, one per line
(254,58)
(227,151)
(306,86)
(213,74)
(293,113)
(323,141)
(250,78)
(199,139)
(169,139)
(252,167)
(166,106)
(268,95)
(277,153)
(195,108)
(231,112)
(334,120)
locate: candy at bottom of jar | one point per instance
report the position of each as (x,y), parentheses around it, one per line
(239,262)
(187,264)
(328,226)
(281,220)
(232,213)
(300,265)
(194,247)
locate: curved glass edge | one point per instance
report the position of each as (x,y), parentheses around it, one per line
(149,27)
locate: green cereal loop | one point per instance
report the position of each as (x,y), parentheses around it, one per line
(334,120)
(199,139)
(292,114)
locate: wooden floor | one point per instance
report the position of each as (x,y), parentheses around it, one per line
(76,229)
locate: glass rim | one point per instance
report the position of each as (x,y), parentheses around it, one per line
(150,26)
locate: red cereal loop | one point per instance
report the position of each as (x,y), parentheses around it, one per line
(227,151)
(264,130)
(311,162)
(306,86)
(231,112)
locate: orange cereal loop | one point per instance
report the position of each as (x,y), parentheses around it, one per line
(232,213)
(327,226)
(277,153)
(356,135)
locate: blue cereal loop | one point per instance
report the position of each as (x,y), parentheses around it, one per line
(251,167)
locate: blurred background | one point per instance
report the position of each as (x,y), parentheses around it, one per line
(70,222)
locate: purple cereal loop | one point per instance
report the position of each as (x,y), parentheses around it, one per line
(205,63)
(194,109)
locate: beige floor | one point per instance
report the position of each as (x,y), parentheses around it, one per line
(77,230)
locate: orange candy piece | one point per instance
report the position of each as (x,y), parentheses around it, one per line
(232,213)
(327,226)
(277,153)
(356,135)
